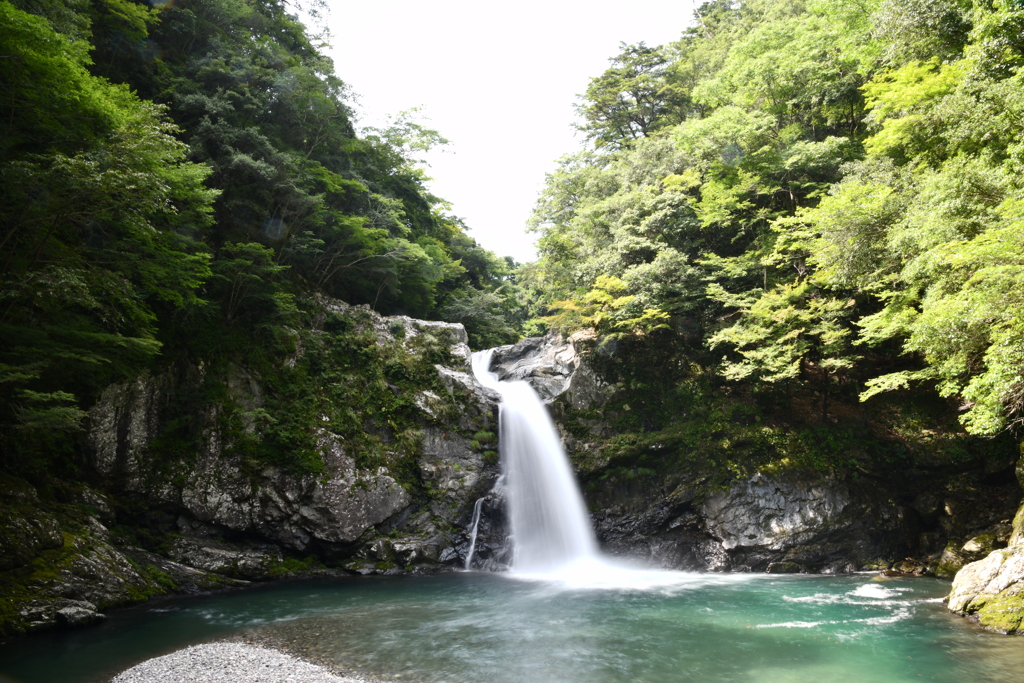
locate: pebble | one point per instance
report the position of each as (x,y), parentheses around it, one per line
(229,663)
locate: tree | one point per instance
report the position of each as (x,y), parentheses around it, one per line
(631,100)
(100,211)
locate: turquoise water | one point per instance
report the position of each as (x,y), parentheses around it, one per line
(470,627)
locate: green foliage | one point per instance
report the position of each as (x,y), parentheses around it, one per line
(785,329)
(174,176)
(793,180)
(485,316)
(247,282)
(633,99)
(49,96)
(333,382)
(98,205)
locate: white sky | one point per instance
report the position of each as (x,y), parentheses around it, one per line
(498,79)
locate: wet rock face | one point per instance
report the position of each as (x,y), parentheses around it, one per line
(774,513)
(547,363)
(334,514)
(782,524)
(492,550)
(807,522)
(297,512)
(668,535)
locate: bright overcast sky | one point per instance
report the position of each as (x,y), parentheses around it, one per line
(499,80)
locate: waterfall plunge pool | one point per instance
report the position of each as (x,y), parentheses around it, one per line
(565,615)
(473,627)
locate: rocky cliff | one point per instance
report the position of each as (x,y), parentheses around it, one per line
(405,470)
(396,450)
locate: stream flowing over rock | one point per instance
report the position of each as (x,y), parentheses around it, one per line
(779,521)
(547,363)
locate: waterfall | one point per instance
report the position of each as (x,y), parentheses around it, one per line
(550,525)
(472,534)
(552,538)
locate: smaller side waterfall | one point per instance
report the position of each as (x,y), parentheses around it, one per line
(472,532)
(550,525)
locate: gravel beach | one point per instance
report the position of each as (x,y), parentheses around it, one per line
(229,663)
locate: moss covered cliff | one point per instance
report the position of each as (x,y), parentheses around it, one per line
(357,451)
(991,590)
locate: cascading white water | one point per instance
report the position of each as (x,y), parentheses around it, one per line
(550,525)
(474,525)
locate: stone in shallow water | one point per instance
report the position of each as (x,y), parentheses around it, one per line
(74,615)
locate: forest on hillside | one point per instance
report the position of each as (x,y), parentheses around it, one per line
(805,196)
(798,199)
(178,178)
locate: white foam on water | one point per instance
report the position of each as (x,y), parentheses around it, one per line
(797,624)
(876,591)
(898,615)
(816,599)
(599,573)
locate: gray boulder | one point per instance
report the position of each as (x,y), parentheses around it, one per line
(547,363)
(991,590)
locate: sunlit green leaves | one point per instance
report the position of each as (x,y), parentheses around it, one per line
(47,96)
(633,99)
(783,330)
(851,173)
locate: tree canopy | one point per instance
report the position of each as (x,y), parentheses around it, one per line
(820,186)
(176,178)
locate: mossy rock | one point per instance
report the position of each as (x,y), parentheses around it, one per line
(1018,528)
(951,561)
(24,533)
(1000,613)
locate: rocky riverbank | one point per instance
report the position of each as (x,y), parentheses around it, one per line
(991,590)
